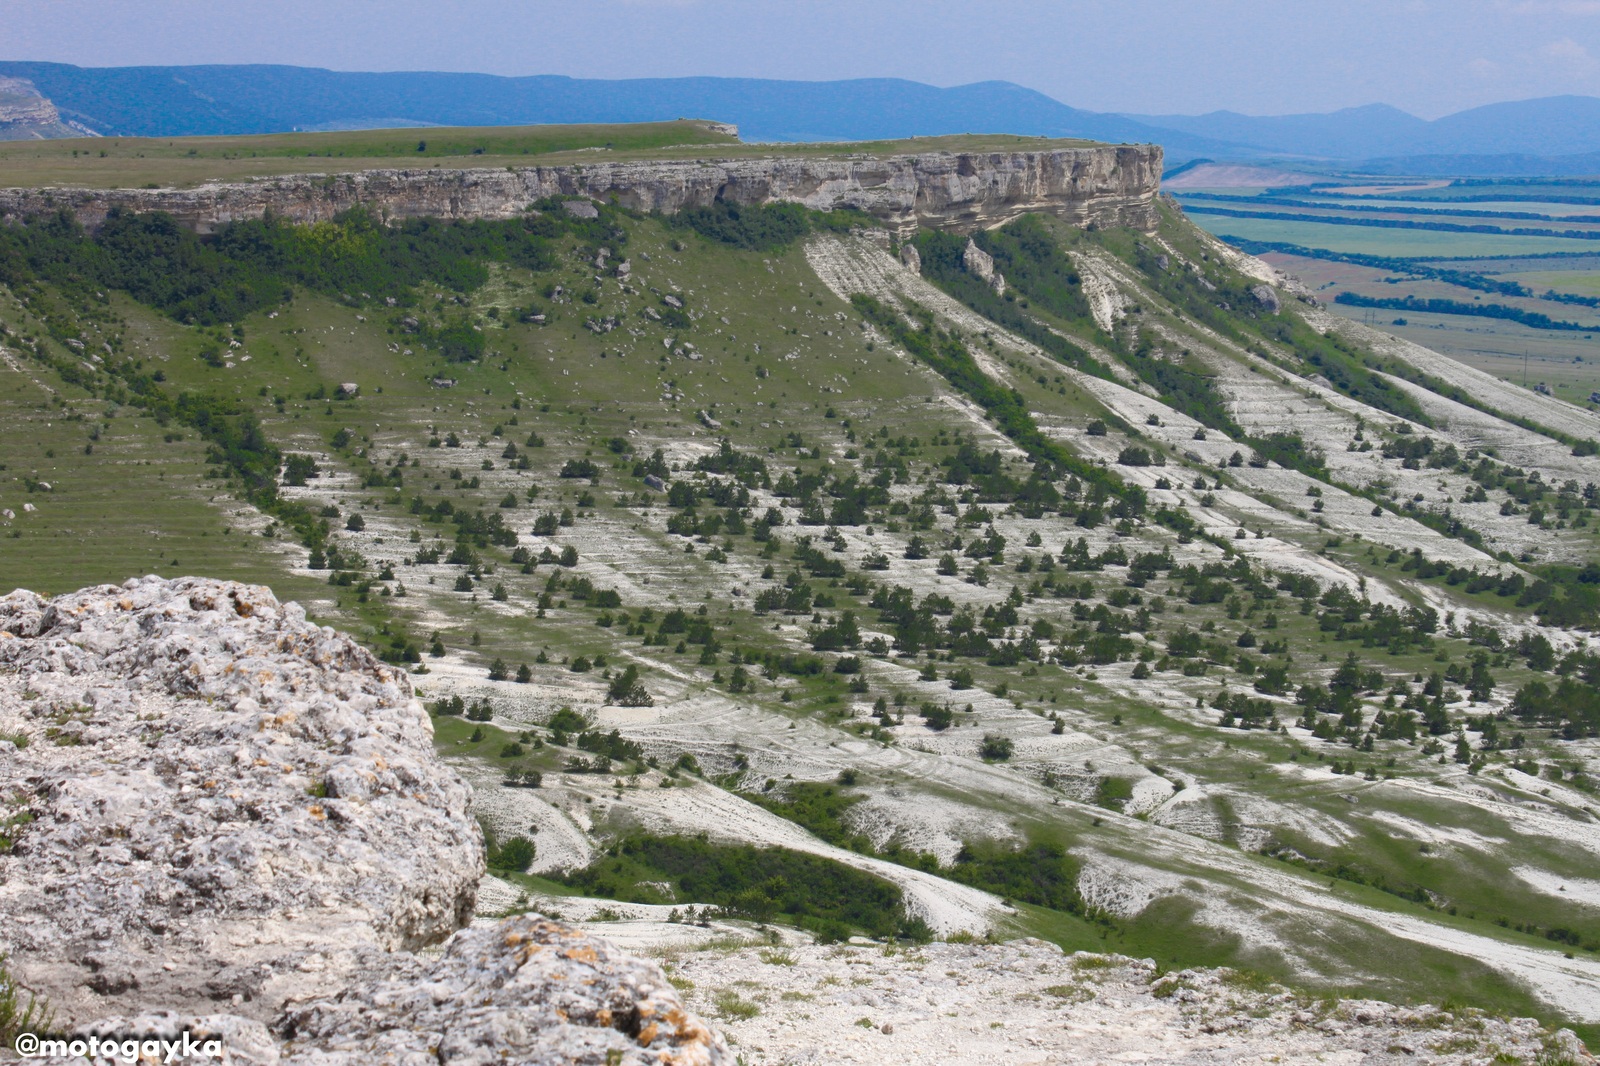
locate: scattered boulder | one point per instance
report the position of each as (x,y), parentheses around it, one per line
(348,390)
(215,783)
(911,258)
(580,209)
(1267,297)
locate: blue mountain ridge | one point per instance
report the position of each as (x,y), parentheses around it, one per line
(238,99)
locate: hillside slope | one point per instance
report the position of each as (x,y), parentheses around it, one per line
(1081,584)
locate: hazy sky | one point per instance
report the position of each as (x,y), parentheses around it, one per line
(1429,57)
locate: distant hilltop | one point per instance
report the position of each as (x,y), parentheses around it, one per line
(26,115)
(233,100)
(1554,135)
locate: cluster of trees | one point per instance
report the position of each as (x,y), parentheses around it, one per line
(946,353)
(829,899)
(253,264)
(1439,306)
(1032,263)
(1399,223)
(763,227)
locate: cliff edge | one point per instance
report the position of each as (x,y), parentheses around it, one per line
(1103,185)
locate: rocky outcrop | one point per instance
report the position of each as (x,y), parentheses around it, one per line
(525,991)
(209,803)
(980,264)
(1102,185)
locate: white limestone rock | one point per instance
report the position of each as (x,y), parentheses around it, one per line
(527,990)
(217,802)
(1267,297)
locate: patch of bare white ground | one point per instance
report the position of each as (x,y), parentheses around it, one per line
(1123,888)
(1500,395)
(850,265)
(563,816)
(1106,301)
(702,808)
(1274,491)
(1264,403)
(1581,889)
(638,927)
(1268,507)
(1572,985)
(1026,1003)
(1194,810)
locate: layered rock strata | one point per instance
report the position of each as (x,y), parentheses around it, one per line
(1103,185)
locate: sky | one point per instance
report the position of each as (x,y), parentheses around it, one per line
(1428,57)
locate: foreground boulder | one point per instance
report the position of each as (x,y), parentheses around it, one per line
(525,991)
(212,805)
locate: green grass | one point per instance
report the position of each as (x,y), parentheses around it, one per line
(1386,242)
(779,352)
(1579,282)
(131,162)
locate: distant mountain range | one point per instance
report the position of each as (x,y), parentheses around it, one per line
(1559,134)
(1551,135)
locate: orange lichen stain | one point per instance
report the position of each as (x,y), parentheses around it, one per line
(318,813)
(647,1035)
(603,1017)
(513,939)
(583,953)
(208,784)
(125,603)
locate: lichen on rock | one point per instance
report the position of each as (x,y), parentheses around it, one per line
(214,801)
(525,990)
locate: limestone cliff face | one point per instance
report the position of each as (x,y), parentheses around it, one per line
(1104,185)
